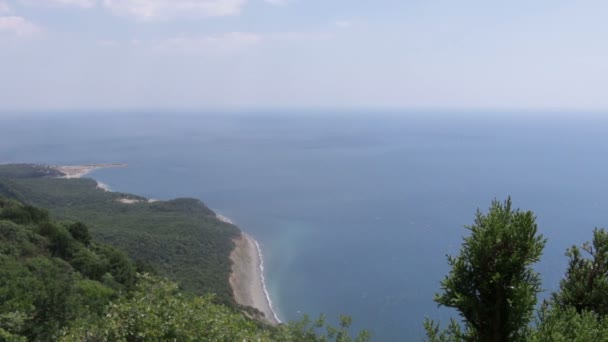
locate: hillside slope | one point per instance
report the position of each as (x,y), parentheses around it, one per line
(182,239)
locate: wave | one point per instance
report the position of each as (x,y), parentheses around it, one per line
(103,187)
(261,257)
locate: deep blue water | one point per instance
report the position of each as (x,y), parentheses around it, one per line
(355,212)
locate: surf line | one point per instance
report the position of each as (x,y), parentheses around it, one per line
(261,257)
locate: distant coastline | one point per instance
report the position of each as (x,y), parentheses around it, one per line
(79,171)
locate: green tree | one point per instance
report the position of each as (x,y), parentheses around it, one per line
(24,214)
(585,286)
(80,232)
(157,311)
(62,244)
(307,330)
(492,283)
(556,324)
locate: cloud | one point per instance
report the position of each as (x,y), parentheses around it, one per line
(4,8)
(343,24)
(221,44)
(60,3)
(15,25)
(149,10)
(296,36)
(107,43)
(228,43)
(18,26)
(277,2)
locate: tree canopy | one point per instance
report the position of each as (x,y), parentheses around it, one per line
(492,283)
(494,288)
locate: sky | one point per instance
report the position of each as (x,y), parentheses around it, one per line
(199,54)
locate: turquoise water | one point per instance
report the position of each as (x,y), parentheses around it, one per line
(354,211)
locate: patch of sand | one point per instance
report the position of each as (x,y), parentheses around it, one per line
(78,171)
(129,200)
(246,278)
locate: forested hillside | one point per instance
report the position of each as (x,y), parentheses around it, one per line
(51,273)
(57,283)
(182,239)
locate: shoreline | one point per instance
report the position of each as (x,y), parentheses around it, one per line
(263,279)
(79,171)
(247,277)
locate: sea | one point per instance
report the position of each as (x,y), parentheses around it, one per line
(355,211)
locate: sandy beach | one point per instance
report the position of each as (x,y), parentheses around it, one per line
(78,171)
(247,277)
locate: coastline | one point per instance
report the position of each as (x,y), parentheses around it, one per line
(79,171)
(247,277)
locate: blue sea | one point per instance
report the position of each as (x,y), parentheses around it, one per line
(355,211)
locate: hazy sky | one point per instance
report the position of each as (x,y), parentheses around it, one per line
(303,53)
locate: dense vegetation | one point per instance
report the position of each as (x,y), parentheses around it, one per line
(51,273)
(494,287)
(57,283)
(182,239)
(27,171)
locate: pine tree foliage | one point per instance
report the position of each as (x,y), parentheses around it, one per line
(492,283)
(557,324)
(585,286)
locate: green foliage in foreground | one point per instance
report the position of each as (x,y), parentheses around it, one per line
(586,284)
(182,239)
(494,288)
(492,283)
(157,311)
(555,324)
(48,278)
